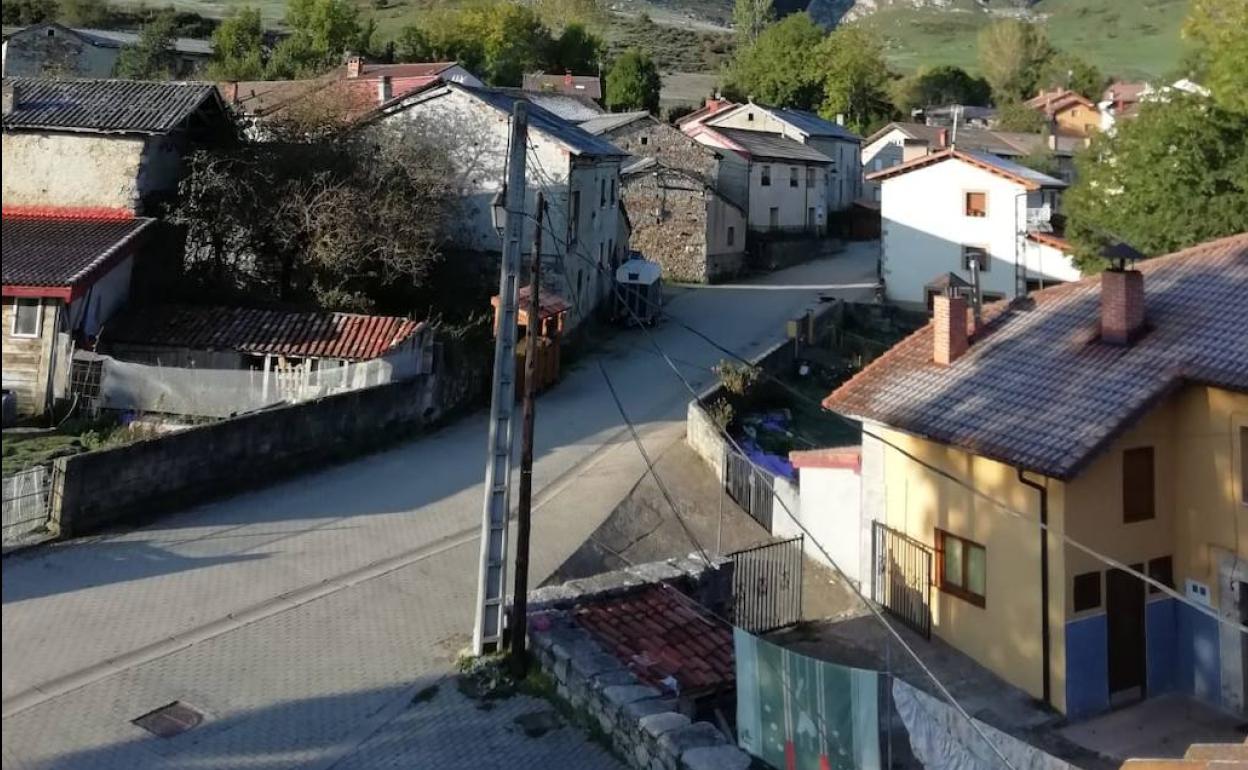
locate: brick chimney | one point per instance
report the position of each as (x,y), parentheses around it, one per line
(12,96)
(355,66)
(949,334)
(1122,305)
(384,89)
(942,139)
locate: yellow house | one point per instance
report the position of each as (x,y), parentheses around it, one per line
(1115,409)
(1072,114)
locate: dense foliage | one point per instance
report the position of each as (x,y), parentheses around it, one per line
(152,57)
(633,83)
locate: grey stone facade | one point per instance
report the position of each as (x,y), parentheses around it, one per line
(645,726)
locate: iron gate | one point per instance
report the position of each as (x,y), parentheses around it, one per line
(748,486)
(901,580)
(767,585)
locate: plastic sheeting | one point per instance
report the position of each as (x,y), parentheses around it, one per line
(800,713)
(943,740)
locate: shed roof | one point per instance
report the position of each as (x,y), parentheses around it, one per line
(63,252)
(106,106)
(1038,389)
(315,334)
(768,146)
(1027,177)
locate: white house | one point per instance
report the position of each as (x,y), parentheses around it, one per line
(842,180)
(53,50)
(579,174)
(942,211)
(787,180)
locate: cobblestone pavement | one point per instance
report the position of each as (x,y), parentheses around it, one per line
(298,618)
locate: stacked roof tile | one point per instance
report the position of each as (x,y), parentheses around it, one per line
(63,251)
(1038,389)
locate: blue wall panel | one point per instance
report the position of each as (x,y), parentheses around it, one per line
(1087,667)
(1162,646)
(1199,664)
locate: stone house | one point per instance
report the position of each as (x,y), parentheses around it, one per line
(680,221)
(687,199)
(584,235)
(103,145)
(53,50)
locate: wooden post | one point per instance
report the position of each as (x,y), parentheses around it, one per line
(519,600)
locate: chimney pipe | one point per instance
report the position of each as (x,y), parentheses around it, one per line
(355,66)
(949,334)
(12,97)
(1122,305)
(384,90)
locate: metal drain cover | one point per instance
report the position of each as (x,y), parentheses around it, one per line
(170,720)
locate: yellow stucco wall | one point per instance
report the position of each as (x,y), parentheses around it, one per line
(1079,120)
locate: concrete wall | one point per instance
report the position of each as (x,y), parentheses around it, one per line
(27,365)
(925,227)
(98,488)
(829,506)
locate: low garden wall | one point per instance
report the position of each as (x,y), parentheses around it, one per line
(645,727)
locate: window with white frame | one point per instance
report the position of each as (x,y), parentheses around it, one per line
(27,317)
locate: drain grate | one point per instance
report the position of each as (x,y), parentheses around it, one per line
(170,720)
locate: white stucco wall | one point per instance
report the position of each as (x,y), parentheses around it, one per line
(883,153)
(792,203)
(81,170)
(925,227)
(1049,264)
(830,508)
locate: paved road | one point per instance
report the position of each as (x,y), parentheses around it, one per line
(294,615)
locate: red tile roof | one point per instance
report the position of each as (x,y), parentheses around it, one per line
(317,334)
(356,96)
(1049,239)
(63,252)
(658,634)
(1037,389)
(849,458)
(579,85)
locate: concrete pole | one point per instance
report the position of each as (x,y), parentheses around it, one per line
(519,599)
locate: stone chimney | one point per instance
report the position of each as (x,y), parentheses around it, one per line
(949,334)
(355,66)
(12,96)
(1122,305)
(384,89)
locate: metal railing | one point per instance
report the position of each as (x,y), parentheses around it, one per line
(749,487)
(767,585)
(901,577)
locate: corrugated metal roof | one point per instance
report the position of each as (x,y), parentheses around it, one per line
(568,134)
(573,109)
(120,106)
(62,251)
(1039,390)
(768,146)
(317,334)
(602,124)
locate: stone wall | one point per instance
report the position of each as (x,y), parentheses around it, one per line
(669,223)
(777,252)
(666,144)
(645,727)
(95,489)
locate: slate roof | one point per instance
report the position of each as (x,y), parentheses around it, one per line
(967,138)
(63,251)
(608,122)
(105,106)
(812,125)
(658,634)
(316,334)
(1029,178)
(767,146)
(1039,390)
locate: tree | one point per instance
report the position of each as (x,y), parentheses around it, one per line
(83,13)
(782,66)
(576,50)
(413,45)
(238,46)
(633,83)
(1219,31)
(1173,177)
(321,31)
(750,18)
(1066,70)
(23,13)
(941,85)
(855,79)
(151,57)
(498,40)
(1012,54)
(1015,116)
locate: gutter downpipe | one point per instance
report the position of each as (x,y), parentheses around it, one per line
(1045,643)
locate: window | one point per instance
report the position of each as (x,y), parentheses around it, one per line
(1137,485)
(773,216)
(26,316)
(749,116)
(645,140)
(766,176)
(732,235)
(810,177)
(792,176)
(1087,591)
(612,192)
(602,193)
(977,253)
(1161,569)
(962,567)
(575,215)
(810,218)
(976,204)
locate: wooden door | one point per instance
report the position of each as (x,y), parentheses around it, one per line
(1124,610)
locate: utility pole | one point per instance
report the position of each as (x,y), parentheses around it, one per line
(519,599)
(487,632)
